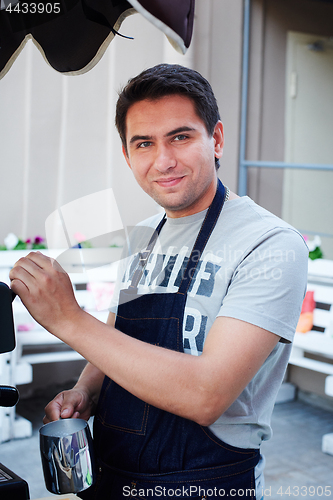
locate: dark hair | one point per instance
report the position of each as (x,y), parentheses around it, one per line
(168,79)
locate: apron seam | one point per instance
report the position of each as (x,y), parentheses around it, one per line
(136,476)
(139,432)
(251,452)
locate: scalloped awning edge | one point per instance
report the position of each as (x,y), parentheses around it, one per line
(92,63)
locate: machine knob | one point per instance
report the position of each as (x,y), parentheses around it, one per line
(9,396)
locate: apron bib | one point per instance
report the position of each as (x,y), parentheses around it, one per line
(143,449)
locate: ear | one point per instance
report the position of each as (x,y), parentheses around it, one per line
(126,157)
(218,136)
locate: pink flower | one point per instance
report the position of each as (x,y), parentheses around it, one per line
(79,237)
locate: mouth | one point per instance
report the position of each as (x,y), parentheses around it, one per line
(170,182)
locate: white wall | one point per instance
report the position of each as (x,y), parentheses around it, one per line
(57,138)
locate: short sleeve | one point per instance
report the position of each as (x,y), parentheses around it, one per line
(268,285)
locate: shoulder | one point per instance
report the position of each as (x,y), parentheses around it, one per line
(243,211)
(253,224)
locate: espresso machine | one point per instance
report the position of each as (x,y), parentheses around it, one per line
(12,487)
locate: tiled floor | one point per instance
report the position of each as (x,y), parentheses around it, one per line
(295,468)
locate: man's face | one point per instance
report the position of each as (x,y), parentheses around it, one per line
(171,154)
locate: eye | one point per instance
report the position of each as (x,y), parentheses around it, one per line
(144,144)
(180,137)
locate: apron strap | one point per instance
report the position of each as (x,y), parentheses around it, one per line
(206,230)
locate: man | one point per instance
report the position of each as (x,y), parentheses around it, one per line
(205,313)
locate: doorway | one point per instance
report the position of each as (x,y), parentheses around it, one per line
(308,194)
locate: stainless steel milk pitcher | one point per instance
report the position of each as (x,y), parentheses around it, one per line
(67,455)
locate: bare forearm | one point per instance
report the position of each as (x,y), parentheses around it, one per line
(166,379)
(173,381)
(91,378)
(196,387)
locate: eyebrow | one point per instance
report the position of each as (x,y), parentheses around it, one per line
(178,130)
(136,138)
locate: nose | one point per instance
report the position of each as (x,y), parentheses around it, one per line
(165,158)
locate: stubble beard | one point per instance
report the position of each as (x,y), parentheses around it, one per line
(182,200)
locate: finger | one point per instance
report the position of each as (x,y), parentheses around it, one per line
(32,266)
(40,260)
(67,412)
(30,257)
(45,262)
(25,270)
(70,404)
(18,287)
(33,271)
(22,280)
(53,408)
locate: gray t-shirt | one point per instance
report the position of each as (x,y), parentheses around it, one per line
(253,268)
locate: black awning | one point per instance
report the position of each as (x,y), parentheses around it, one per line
(74,34)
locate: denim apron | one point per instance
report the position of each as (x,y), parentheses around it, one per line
(144,452)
